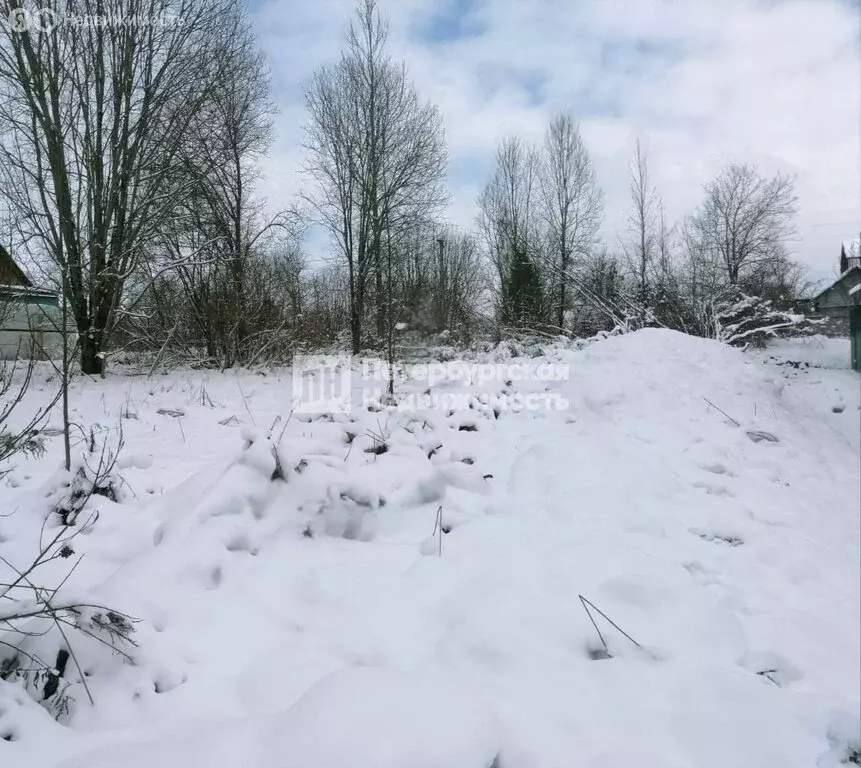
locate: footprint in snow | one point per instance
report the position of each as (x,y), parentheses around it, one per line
(717,469)
(11,701)
(703,574)
(727,539)
(759,436)
(239,543)
(714,490)
(597,653)
(771,666)
(166,681)
(7,732)
(215,577)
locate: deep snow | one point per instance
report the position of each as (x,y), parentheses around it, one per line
(312,621)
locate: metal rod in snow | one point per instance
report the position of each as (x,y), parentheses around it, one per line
(723,412)
(622,631)
(437,523)
(583,602)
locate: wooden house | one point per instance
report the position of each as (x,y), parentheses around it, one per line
(834,304)
(30,317)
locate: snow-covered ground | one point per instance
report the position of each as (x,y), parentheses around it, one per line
(706,500)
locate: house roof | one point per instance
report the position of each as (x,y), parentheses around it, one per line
(26,290)
(852,269)
(7,263)
(852,248)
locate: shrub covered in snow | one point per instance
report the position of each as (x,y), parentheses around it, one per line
(48,633)
(741,320)
(45,630)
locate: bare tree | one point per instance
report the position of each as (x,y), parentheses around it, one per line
(376,156)
(220,228)
(666,274)
(326,311)
(458,282)
(333,146)
(701,273)
(508,220)
(598,291)
(572,204)
(189,313)
(641,247)
(666,237)
(95,115)
(745,220)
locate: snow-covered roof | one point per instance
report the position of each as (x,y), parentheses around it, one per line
(852,269)
(852,248)
(10,270)
(26,290)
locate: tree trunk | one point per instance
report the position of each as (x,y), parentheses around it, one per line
(357,308)
(355,333)
(562,284)
(91,360)
(380,293)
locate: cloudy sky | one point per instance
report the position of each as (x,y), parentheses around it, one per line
(701,82)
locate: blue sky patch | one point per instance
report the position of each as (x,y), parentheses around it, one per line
(451,20)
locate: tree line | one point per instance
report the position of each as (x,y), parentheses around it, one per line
(129,163)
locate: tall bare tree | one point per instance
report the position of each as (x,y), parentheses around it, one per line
(376,154)
(95,114)
(643,238)
(508,219)
(745,220)
(572,204)
(220,219)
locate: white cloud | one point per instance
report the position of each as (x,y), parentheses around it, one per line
(701,83)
